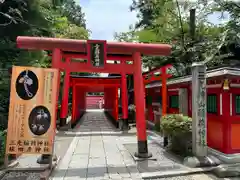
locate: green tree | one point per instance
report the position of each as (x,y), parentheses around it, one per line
(168,22)
(33,18)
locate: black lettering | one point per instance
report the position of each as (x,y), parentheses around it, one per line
(40,143)
(33,143)
(46,149)
(37,149)
(29,149)
(46,143)
(20,149)
(26,143)
(11,149)
(12,142)
(19,143)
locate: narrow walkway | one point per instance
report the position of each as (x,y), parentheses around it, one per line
(95,153)
(101,152)
(97,150)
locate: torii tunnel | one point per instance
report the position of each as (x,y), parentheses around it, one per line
(109,85)
(94,55)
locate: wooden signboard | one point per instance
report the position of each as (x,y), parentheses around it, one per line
(97,52)
(32,110)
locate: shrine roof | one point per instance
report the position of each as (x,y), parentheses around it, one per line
(218,72)
(80,46)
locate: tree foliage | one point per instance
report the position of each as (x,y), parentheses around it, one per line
(50,18)
(168,22)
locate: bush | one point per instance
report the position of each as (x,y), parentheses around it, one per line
(179,130)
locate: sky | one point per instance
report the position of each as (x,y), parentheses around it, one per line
(105,17)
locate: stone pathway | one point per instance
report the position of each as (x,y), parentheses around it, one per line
(97,150)
(95,154)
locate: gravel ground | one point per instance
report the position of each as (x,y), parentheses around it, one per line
(21,176)
(35,176)
(61,146)
(198,177)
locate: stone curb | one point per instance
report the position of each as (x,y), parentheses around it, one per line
(11,165)
(3,171)
(27,169)
(175,173)
(196,162)
(227,170)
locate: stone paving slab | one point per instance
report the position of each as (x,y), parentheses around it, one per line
(96,156)
(97,150)
(29,161)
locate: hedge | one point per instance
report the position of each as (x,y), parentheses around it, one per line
(178,128)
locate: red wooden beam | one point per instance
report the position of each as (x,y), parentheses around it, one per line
(41,43)
(87,85)
(156,78)
(95,81)
(150,76)
(109,56)
(84,67)
(158,69)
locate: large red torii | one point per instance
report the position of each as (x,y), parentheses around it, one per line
(67,49)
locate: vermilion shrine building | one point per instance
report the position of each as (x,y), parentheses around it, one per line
(94,55)
(223,108)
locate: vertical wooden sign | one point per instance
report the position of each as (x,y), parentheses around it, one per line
(96,50)
(32,110)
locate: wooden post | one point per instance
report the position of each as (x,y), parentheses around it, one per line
(124,99)
(64,106)
(140,105)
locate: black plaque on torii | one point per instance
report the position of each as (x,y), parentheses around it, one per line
(96,50)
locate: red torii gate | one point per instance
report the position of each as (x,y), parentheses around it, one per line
(163,76)
(66,49)
(82,84)
(150,77)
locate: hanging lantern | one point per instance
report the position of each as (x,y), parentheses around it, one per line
(226,84)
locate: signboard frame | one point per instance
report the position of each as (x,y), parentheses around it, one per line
(93,54)
(41,87)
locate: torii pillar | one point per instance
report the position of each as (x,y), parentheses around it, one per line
(124,98)
(139,97)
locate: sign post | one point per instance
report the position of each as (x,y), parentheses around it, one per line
(32,111)
(96,50)
(199,114)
